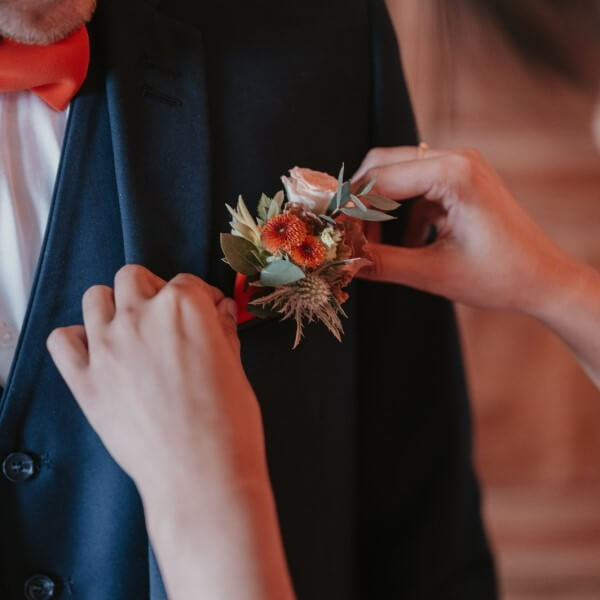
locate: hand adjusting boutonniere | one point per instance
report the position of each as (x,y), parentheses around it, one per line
(305,246)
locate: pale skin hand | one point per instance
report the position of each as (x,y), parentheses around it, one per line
(157,372)
(489,252)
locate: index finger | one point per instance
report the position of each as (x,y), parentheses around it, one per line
(383,157)
(400,181)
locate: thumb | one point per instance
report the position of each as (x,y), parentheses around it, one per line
(414,267)
(228,317)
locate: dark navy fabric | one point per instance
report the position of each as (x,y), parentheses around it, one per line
(188,104)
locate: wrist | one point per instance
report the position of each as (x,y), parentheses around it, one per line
(207,459)
(557,288)
(200,482)
(217,537)
(170,510)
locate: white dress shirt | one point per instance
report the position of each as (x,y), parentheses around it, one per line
(31,137)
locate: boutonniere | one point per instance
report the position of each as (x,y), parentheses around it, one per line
(304,247)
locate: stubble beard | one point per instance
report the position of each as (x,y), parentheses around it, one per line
(43,21)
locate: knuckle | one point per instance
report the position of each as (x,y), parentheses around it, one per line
(192,287)
(173,294)
(136,272)
(128,313)
(190,294)
(94,294)
(185,280)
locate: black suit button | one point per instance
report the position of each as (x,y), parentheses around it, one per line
(18,467)
(39,587)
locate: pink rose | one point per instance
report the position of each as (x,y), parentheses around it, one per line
(312,189)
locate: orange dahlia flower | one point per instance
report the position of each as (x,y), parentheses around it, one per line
(283,232)
(311,252)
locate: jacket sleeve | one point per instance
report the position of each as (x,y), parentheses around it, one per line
(420,530)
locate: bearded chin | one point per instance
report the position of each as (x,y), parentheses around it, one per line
(43,22)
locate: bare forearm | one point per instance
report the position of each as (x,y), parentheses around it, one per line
(570,306)
(225,543)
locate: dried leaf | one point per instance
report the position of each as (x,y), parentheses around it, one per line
(264,204)
(244,223)
(238,254)
(243,211)
(262,312)
(244,231)
(275,208)
(344,193)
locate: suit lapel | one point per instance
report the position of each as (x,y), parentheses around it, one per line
(146,82)
(157,107)
(133,186)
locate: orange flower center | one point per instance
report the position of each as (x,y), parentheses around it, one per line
(283,232)
(310,253)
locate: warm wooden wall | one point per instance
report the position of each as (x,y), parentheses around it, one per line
(537,416)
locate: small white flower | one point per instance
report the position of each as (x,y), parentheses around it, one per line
(331,238)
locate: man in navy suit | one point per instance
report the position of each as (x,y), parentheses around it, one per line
(184,106)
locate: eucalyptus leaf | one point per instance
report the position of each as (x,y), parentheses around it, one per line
(327,219)
(358,203)
(368,215)
(381,202)
(238,253)
(341,263)
(332,205)
(344,193)
(368,187)
(340,186)
(281,272)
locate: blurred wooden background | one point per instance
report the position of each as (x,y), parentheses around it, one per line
(537,417)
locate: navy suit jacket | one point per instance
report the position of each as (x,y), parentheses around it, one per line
(186,105)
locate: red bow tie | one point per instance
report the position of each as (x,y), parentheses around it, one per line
(55,72)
